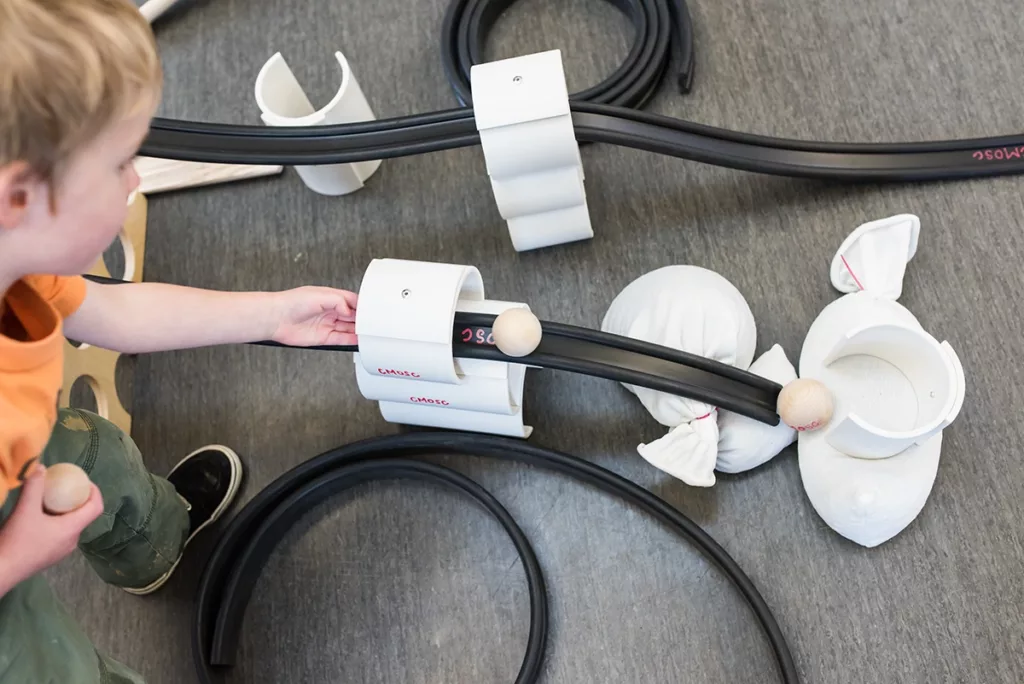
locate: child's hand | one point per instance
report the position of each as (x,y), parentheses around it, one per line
(316,315)
(32,540)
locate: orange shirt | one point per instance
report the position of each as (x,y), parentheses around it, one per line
(32,314)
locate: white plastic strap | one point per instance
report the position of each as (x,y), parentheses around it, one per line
(154,9)
(934,372)
(282,102)
(405,323)
(405,317)
(521,106)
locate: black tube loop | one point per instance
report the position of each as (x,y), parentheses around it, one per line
(238,557)
(467,23)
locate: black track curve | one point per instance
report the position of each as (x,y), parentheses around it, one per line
(603,113)
(851,162)
(635,362)
(237,560)
(624,360)
(612,357)
(467,24)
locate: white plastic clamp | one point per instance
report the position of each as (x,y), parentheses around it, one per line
(282,102)
(405,323)
(521,107)
(934,372)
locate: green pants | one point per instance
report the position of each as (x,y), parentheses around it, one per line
(135,541)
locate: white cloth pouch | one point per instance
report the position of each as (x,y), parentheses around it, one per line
(745,443)
(694,310)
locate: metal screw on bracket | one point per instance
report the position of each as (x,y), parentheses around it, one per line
(406,293)
(517,79)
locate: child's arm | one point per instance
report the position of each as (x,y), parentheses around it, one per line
(146,317)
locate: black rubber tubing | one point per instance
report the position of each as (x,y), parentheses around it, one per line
(603,113)
(631,368)
(613,357)
(467,23)
(588,352)
(348,143)
(600,360)
(239,555)
(275,526)
(636,362)
(635,345)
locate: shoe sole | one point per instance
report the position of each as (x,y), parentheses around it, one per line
(233,486)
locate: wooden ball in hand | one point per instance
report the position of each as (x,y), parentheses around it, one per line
(805,404)
(66,488)
(517,332)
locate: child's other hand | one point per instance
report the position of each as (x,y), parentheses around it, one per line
(312,316)
(32,540)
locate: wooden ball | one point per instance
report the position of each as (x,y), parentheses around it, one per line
(66,488)
(805,404)
(517,332)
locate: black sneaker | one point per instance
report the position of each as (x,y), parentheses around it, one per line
(207,480)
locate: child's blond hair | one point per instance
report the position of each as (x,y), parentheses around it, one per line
(68,70)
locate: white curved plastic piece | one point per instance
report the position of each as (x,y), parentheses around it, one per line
(521,107)
(154,9)
(283,102)
(869,473)
(936,381)
(405,317)
(868,501)
(405,324)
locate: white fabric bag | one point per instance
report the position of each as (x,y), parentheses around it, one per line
(694,310)
(745,443)
(874,257)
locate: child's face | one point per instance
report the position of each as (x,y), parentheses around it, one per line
(91,201)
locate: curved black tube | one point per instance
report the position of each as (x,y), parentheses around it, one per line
(712,132)
(633,369)
(467,24)
(634,362)
(237,590)
(933,163)
(604,113)
(632,344)
(237,559)
(624,360)
(851,162)
(348,130)
(612,357)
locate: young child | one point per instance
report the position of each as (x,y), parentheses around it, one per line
(79,82)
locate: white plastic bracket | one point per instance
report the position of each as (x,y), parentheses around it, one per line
(933,370)
(405,323)
(282,102)
(521,106)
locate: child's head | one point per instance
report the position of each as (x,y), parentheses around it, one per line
(79,84)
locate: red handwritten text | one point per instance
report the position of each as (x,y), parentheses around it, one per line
(392,371)
(999,154)
(468,335)
(427,400)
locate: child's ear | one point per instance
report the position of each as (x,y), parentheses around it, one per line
(17,187)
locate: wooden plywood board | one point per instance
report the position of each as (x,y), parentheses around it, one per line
(166,175)
(99,366)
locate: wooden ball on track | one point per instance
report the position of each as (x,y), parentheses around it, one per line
(517,332)
(805,404)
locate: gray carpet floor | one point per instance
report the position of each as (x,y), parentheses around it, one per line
(402,583)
